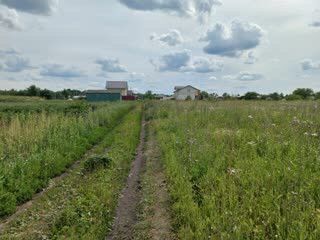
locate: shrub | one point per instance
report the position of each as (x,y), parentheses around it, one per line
(95,162)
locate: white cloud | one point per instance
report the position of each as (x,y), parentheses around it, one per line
(308,64)
(42,7)
(9,18)
(200,9)
(203,65)
(60,71)
(245,77)
(183,61)
(172,38)
(16,63)
(232,41)
(213,78)
(136,77)
(251,59)
(174,61)
(316,19)
(111,65)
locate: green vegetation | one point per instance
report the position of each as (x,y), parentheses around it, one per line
(34,147)
(82,205)
(241,170)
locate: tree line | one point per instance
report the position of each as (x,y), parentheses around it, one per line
(34,91)
(298,94)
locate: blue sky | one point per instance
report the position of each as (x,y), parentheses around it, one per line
(215,45)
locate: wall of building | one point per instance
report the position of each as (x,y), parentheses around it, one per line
(124,92)
(184,93)
(103,97)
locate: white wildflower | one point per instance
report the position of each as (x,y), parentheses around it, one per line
(250,117)
(251,143)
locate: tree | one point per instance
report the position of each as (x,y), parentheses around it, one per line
(149,95)
(33,91)
(317,95)
(226,96)
(304,92)
(204,95)
(251,96)
(293,97)
(47,94)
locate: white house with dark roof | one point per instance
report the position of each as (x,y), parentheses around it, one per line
(117,87)
(185,92)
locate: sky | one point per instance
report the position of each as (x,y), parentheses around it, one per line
(219,46)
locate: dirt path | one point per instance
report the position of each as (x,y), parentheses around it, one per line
(126,212)
(155,219)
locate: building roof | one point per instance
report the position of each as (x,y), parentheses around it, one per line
(97,91)
(178,88)
(117,85)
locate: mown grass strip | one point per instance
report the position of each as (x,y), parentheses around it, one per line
(82,205)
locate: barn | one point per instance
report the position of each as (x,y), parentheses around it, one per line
(102,96)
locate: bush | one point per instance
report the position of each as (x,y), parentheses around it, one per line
(95,162)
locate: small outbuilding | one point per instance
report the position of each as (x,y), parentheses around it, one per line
(186,92)
(102,96)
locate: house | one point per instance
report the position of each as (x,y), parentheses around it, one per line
(186,92)
(102,96)
(117,87)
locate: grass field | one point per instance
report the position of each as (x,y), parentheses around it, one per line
(242,170)
(35,147)
(231,170)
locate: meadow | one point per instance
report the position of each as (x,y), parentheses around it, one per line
(232,169)
(241,169)
(44,139)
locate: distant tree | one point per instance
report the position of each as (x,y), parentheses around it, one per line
(293,97)
(149,95)
(226,96)
(47,94)
(275,96)
(33,91)
(303,92)
(317,95)
(251,96)
(213,96)
(204,95)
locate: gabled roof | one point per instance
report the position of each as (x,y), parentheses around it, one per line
(178,88)
(117,85)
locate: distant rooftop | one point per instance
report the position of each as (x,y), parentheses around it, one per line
(178,88)
(96,91)
(117,85)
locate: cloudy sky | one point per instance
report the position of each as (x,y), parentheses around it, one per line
(220,46)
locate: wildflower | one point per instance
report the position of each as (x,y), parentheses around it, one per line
(273,125)
(306,134)
(251,143)
(250,117)
(314,134)
(295,120)
(233,171)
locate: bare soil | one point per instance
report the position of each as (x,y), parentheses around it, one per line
(155,219)
(127,209)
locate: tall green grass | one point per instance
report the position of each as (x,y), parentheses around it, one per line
(82,205)
(38,146)
(240,170)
